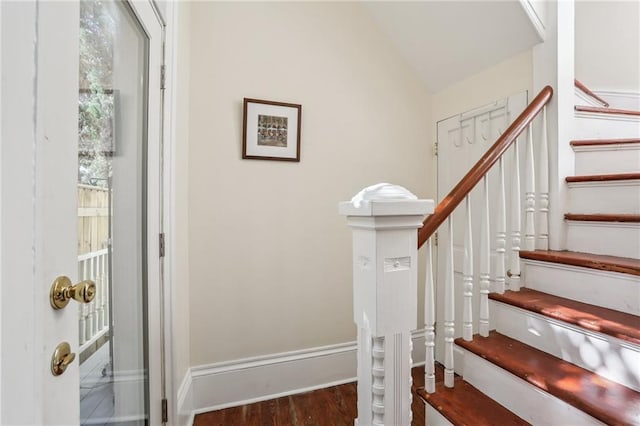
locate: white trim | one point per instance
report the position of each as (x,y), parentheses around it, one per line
(607,116)
(535,19)
(185,398)
(609,147)
(1,208)
(617,99)
(244,381)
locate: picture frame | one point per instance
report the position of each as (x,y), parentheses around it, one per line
(271,130)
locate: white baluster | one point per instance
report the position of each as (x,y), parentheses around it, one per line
(429,324)
(106,289)
(501,231)
(98,298)
(467,278)
(449,310)
(543,176)
(90,306)
(82,325)
(377,368)
(516,212)
(530,194)
(485,262)
(82,332)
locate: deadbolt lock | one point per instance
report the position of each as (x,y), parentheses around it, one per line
(62,291)
(61,358)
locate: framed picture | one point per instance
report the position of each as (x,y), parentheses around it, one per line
(271,130)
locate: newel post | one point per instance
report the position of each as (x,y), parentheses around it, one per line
(385,219)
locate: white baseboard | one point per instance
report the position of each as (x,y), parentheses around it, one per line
(185,400)
(245,381)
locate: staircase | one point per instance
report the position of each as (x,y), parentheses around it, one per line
(565,349)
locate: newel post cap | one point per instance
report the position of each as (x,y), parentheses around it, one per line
(385,199)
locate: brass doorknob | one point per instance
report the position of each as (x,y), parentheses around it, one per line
(62,291)
(61,358)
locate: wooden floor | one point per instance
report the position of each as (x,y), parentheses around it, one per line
(334,406)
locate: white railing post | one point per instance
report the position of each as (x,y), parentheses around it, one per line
(530,194)
(516,212)
(485,262)
(543,227)
(467,278)
(429,323)
(385,219)
(449,309)
(501,231)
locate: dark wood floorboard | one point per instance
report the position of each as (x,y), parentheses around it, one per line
(334,406)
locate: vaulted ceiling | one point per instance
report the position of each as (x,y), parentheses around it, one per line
(447,41)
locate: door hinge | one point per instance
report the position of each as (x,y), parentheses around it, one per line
(165,411)
(435,149)
(435,239)
(162,244)
(163,76)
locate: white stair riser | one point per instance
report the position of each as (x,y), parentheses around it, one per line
(608,356)
(606,126)
(620,197)
(607,289)
(607,159)
(524,399)
(434,418)
(609,238)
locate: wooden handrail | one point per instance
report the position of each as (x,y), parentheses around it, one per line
(482,167)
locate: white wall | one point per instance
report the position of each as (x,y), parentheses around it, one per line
(270,258)
(499,81)
(607,55)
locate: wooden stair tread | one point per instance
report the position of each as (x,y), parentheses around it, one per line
(591,317)
(586,260)
(604,110)
(588,92)
(601,178)
(610,402)
(603,217)
(596,142)
(465,405)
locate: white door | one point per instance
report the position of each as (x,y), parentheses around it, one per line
(462,140)
(80,179)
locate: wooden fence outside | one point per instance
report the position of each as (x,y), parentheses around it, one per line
(93,218)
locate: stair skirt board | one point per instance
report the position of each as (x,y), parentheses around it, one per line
(610,238)
(531,404)
(603,288)
(605,126)
(608,356)
(606,159)
(600,196)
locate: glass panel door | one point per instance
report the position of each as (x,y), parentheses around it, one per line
(112,214)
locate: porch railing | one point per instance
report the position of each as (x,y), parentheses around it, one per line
(93,318)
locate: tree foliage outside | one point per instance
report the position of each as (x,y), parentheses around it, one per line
(96,130)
